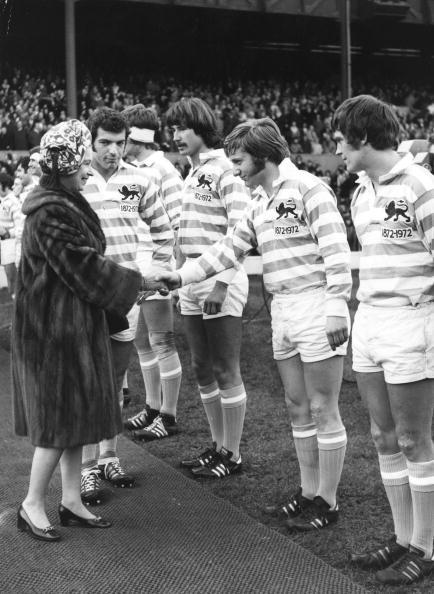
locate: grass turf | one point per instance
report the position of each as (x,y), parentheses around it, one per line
(270,470)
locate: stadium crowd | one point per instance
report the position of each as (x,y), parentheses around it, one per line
(32,102)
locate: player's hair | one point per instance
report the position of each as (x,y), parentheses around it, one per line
(108,119)
(24,163)
(140,116)
(260,138)
(195,114)
(365,117)
(6,180)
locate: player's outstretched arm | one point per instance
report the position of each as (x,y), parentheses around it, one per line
(161,280)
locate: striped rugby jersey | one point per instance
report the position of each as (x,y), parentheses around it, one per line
(170,182)
(300,235)
(130,211)
(213,201)
(395,227)
(10,213)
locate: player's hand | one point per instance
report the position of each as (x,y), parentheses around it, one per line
(337,331)
(214,301)
(162,281)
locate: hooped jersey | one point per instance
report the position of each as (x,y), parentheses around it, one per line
(394,223)
(213,201)
(299,234)
(131,213)
(169,181)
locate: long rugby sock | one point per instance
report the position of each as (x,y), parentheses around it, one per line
(394,474)
(306,446)
(421,477)
(151,378)
(210,396)
(107,447)
(89,457)
(332,446)
(233,402)
(171,374)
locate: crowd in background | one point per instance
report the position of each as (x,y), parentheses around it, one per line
(30,103)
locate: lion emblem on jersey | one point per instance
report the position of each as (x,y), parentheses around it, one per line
(204,181)
(129,192)
(286,208)
(397,209)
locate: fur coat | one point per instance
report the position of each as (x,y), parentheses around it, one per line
(62,373)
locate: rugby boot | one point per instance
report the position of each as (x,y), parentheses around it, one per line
(112,471)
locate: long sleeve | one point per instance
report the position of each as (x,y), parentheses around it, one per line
(328,228)
(171,190)
(152,212)
(223,255)
(424,214)
(236,198)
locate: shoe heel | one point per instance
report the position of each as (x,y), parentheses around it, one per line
(64,516)
(21,523)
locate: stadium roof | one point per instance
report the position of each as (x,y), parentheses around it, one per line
(410,11)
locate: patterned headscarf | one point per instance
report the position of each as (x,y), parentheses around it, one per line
(70,140)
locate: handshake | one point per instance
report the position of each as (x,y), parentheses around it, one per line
(162,281)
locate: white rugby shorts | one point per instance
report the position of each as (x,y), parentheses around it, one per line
(192,297)
(398,341)
(298,323)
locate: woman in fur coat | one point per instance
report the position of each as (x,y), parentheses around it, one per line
(67,294)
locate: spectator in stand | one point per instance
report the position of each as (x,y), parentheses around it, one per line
(295,147)
(21,141)
(35,134)
(32,99)
(328,144)
(5,143)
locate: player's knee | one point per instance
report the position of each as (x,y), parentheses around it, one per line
(320,413)
(384,440)
(410,444)
(163,343)
(202,370)
(226,376)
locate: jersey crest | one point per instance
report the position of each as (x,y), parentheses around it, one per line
(205,182)
(129,192)
(396,210)
(287,208)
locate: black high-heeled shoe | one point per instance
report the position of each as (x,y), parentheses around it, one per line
(24,524)
(68,518)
